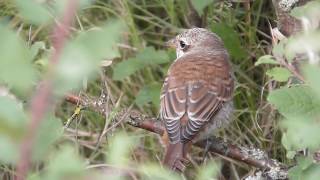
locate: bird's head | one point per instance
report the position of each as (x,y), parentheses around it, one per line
(195,39)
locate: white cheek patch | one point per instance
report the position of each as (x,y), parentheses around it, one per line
(179,53)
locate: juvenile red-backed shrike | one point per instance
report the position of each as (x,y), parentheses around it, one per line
(196,96)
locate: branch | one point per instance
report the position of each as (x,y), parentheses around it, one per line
(251,156)
(40,103)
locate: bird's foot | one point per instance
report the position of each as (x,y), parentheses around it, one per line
(180,164)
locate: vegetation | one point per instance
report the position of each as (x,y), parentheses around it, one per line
(115,51)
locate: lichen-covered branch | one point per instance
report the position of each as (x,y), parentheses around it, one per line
(252,156)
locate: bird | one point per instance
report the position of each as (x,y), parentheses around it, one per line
(197,94)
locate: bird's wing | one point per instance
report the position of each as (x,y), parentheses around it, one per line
(172,109)
(196,87)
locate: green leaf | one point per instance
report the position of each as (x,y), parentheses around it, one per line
(154,171)
(82,56)
(266,59)
(209,171)
(101,43)
(126,68)
(64,165)
(149,93)
(301,132)
(9,150)
(50,131)
(12,118)
(36,47)
(304,43)
(59,6)
(309,10)
(279,74)
(12,127)
(148,56)
(158,57)
(278,49)
(231,39)
(199,5)
(295,101)
(74,66)
(33,11)
(313,172)
(15,66)
(312,74)
(119,149)
(288,145)
(288,53)
(305,169)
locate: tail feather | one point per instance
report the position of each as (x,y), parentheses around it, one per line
(174,157)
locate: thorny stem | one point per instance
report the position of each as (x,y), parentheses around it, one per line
(40,102)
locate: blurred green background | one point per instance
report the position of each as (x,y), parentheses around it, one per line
(132,34)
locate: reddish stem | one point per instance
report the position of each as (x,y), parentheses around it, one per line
(40,102)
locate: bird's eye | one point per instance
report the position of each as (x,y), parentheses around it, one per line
(182,44)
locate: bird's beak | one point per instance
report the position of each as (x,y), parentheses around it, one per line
(171,43)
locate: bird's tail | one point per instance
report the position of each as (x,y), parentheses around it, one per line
(175,157)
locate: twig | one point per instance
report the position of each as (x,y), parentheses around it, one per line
(40,103)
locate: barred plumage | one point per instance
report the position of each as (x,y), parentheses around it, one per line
(198,85)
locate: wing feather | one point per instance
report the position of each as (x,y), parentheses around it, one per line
(195,88)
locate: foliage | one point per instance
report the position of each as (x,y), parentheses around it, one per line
(299,102)
(131,35)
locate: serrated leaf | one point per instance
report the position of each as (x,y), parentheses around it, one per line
(266,59)
(309,10)
(279,74)
(305,169)
(15,66)
(64,165)
(75,65)
(151,56)
(83,55)
(313,172)
(231,39)
(119,149)
(148,56)
(12,118)
(208,171)
(301,132)
(34,12)
(154,171)
(9,150)
(149,93)
(49,131)
(126,68)
(101,43)
(199,5)
(295,101)
(12,127)
(312,74)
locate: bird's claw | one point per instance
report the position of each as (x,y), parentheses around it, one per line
(180,164)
